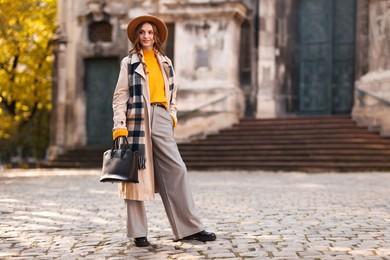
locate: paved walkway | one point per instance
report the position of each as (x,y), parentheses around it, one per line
(68,214)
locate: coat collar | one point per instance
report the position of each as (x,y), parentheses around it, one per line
(139,69)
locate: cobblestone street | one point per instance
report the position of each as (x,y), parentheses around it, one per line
(68,214)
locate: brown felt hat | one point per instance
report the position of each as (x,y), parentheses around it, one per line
(161,26)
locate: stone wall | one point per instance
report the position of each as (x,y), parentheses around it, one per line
(206,64)
(372,104)
(379,35)
(362,38)
(286,94)
(68,121)
(206,58)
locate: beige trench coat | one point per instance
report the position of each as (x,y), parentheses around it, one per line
(146,188)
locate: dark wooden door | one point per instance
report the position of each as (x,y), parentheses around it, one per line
(315,79)
(100,80)
(326,56)
(343,55)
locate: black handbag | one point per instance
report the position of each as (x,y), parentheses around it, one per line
(120,163)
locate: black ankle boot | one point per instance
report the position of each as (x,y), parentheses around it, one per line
(141,241)
(202,236)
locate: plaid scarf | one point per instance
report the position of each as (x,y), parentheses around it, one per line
(135,109)
(135,115)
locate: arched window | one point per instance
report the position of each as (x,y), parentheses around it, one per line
(99,30)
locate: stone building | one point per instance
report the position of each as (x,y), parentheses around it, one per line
(372,105)
(233,59)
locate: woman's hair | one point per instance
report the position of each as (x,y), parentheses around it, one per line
(137,44)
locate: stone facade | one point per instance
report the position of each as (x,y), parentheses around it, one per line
(232,59)
(313,57)
(206,63)
(372,105)
(68,122)
(205,53)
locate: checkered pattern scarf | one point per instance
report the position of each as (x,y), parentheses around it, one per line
(135,109)
(135,115)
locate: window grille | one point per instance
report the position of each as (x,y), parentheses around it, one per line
(100,32)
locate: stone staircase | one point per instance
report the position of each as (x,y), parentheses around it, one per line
(321,143)
(303,143)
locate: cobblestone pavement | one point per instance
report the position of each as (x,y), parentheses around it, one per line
(68,214)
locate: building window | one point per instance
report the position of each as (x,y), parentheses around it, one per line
(245,55)
(99,26)
(100,32)
(202,58)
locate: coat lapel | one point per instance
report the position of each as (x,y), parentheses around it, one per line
(140,70)
(164,67)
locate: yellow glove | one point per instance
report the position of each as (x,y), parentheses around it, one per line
(119,132)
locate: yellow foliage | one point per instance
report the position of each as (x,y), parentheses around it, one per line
(26,30)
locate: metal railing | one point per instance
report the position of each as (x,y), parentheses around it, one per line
(212,102)
(361,94)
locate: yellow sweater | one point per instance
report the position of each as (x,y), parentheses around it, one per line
(156,87)
(155,78)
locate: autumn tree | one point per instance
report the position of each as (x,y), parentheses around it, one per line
(26,31)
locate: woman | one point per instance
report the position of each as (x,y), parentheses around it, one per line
(144,106)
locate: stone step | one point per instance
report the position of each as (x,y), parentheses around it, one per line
(315,143)
(304,152)
(292,146)
(253,141)
(291,157)
(289,131)
(283,165)
(367,136)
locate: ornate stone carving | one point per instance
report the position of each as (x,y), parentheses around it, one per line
(96,12)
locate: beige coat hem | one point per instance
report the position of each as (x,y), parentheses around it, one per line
(139,197)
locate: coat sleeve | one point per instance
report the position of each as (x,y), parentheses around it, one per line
(121,97)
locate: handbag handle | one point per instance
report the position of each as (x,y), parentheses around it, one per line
(115,146)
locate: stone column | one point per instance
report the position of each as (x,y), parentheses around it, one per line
(286,72)
(361,45)
(267,63)
(58,113)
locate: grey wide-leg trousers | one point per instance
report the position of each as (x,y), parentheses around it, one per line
(171,177)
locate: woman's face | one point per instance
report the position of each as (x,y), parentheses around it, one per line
(146,36)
